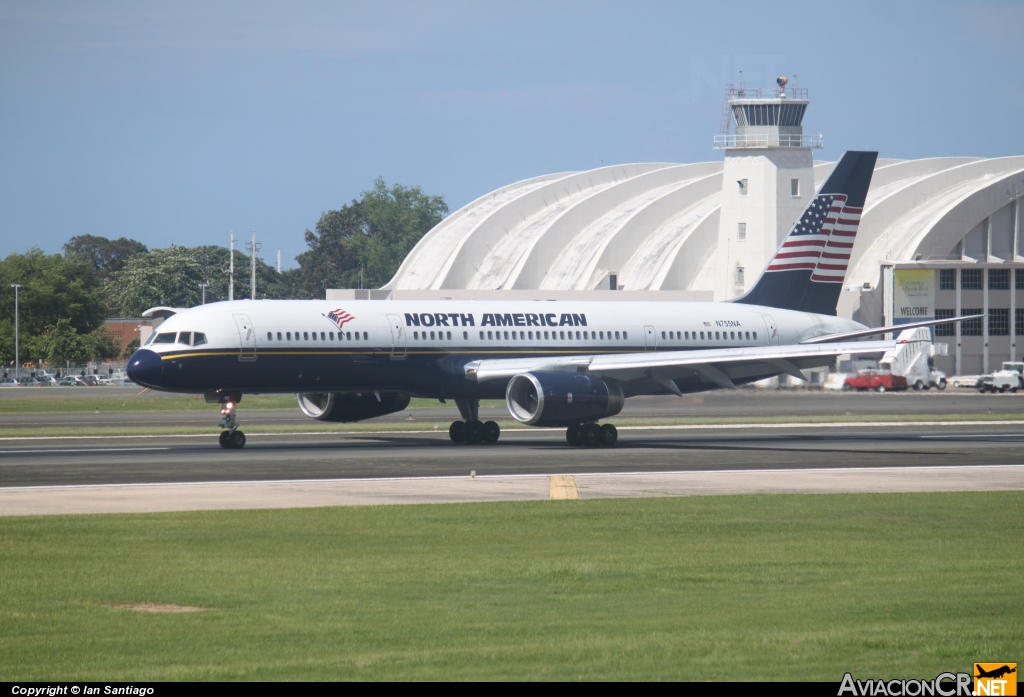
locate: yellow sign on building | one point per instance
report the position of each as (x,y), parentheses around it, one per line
(913,295)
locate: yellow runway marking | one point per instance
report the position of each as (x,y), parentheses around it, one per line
(563,488)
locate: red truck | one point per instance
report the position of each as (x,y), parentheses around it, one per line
(874,380)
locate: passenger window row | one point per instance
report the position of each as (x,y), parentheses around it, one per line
(440,335)
(718,336)
(559,335)
(187,338)
(324,336)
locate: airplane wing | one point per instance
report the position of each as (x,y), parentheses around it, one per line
(827,338)
(721,367)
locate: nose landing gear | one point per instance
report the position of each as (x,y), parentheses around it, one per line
(231,438)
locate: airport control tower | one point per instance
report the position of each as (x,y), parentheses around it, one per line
(767,180)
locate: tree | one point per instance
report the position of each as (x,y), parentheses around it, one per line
(100,345)
(398,218)
(373,234)
(54,287)
(64,344)
(173,277)
(131,348)
(103,256)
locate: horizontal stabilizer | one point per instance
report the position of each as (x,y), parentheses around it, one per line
(845,336)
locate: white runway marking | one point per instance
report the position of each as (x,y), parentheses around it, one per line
(196,496)
(444,432)
(977,435)
(443,477)
(81,450)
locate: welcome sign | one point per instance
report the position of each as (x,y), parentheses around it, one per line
(913,295)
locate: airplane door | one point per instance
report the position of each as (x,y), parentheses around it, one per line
(773,330)
(398,338)
(246,337)
(650,341)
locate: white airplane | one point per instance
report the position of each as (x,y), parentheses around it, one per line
(556,363)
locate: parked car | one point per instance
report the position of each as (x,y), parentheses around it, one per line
(70,382)
(877,380)
(9,382)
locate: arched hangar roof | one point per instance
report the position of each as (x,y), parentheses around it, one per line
(656,224)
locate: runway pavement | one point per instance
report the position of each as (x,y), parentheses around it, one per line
(190,472)
(738,403)
(162,459)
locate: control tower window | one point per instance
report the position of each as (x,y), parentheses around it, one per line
(743,186)
(741,231)
(794,187)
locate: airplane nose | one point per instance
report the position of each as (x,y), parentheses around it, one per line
(145,368)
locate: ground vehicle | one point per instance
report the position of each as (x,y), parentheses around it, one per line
(70,382)
(877,380)
(924,376)
(1000,381)
(9,382)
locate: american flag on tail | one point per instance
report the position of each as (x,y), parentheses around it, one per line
(821,241)
(835,257)
(339,317)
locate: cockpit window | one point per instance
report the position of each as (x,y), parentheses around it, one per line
(185,338)
(198,339)
(165,338)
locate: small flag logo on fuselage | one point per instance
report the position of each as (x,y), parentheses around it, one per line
(339,317)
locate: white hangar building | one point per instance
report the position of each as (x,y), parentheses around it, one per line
(938,237)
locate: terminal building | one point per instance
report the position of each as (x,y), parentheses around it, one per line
(938,237)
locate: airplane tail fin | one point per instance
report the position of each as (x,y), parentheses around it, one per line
(808,270)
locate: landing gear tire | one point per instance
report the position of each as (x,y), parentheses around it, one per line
(237,440)
(491,432)
(590,435)
(572,435)
(457,431)
(224,435)
(474,432)
(609,436)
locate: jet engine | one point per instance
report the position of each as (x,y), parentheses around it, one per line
(554,398)
(351,406)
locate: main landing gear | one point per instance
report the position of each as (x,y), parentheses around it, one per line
(232,437)
(591,435)
(472,430)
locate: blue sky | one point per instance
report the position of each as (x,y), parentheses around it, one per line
(178,122)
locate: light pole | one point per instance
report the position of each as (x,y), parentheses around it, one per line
(204,285)
(17,353)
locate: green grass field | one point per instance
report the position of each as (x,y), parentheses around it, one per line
(703,588)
